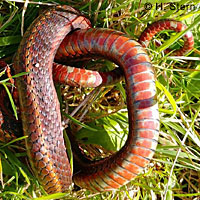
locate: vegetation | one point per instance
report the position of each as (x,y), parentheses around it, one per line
(174,172)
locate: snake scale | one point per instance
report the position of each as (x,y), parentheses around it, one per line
(40,109)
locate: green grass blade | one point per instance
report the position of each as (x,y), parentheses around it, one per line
(69,149)
(168,95)
(25,175)
(5,41)
(78,122)
(13,141)
(11,100)
(52,196)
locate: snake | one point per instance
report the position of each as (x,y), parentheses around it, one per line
(65,34)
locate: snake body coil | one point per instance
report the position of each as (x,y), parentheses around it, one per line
(40,109)
(117,170)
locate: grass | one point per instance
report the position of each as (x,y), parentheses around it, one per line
(174,173)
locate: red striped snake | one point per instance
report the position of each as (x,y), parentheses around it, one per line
(40,109)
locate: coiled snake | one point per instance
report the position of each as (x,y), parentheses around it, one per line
(40,110)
